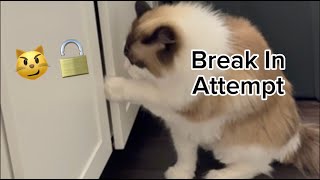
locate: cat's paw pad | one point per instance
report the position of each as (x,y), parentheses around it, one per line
(176,172)
(114,88)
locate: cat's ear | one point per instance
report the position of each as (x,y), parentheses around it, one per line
(141,7)
(19,52)
(39,49)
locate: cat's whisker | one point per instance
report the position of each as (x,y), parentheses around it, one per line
(43,64)
(20,68)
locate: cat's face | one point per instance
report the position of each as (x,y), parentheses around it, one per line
(160,40)
(31,64)
(151,48)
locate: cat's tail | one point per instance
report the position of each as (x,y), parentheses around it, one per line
(306,158)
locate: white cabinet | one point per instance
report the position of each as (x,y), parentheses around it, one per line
(55,127)
(120,14)
(116,18)
(6,167)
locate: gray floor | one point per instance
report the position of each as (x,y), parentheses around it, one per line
(149,151)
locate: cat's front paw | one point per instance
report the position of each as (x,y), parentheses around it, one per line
(176,172)
(114,88)
(216,174)
(227,174)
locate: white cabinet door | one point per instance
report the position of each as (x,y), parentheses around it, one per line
(56,127)
(115,21)
(5,164)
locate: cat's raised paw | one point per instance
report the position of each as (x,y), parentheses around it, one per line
(176,172)
(114,88)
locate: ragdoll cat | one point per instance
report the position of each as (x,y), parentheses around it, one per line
(244,132)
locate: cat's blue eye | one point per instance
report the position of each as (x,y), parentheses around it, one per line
(25,62)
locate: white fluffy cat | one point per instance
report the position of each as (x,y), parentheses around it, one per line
(243,132)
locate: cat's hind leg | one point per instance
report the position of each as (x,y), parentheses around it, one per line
(242,162)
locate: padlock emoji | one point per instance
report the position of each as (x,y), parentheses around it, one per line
(73,66)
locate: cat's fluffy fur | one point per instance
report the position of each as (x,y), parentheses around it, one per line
(244,132)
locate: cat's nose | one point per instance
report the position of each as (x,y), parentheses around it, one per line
(31,66)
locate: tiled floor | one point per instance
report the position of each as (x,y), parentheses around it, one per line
(149,151)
